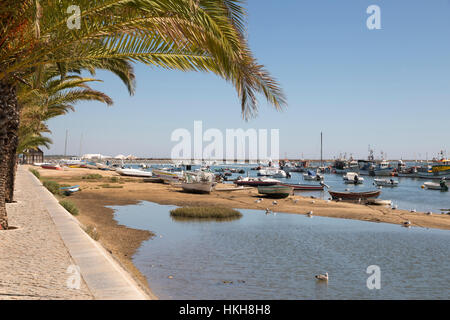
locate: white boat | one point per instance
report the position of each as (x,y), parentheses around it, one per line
(436,186)
(386,182)
(167,175)
(382,169)
(134,173)
(310,175)
(198,182)
(272,172)
(353,178)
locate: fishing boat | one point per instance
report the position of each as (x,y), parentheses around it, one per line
(276,191)
(168,175)
(381,169)
(437,171)
(354,195)
(304,187)
(198,182)
(436,186)
(310,175)
(134,172)
(256,182)
(51,166)
(272,172)
(353,178)
(386,182)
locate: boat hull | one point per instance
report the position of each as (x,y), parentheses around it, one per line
(303,187)
(198,187)
(134,173)
(275,191)
(354,195)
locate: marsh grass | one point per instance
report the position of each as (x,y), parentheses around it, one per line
(93,176)
(108,186)
(92,232)
(35,172)
(52,186)
(205,213)
(69,206)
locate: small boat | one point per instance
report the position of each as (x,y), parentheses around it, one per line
(167,175)
(310,175)
(198,182)
(379,202)
(71,189)
(304,187)
(386,182)
(256,182)
(240,188)
(51,166)
(276,191)
(436,186)
(354,195)
(134,173)
(353,178)
(272,172)
(381,169)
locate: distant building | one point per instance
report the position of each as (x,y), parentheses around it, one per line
(30,156)
(95,156)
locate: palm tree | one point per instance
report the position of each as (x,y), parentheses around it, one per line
(187,35)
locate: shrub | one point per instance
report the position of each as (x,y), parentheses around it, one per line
(205,212)
(52,186)
(92,232)
(115,179)
(69,206)
(35,172)
(92,176)
(107,185)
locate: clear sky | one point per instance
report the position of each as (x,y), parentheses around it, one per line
(389,88)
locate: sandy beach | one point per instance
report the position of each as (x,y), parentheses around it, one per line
(123,242)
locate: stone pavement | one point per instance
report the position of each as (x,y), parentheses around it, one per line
(40,259)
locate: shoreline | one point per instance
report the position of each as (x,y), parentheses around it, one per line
(122,242)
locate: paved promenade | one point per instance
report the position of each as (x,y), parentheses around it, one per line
(40,259)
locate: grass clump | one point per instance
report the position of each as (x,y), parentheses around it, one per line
(35,172)
(92,232)
(69,206)
(115,179)
(205,213)
(92,176)
(107,185)
(52,186)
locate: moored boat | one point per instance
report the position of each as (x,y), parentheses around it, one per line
(276,191)
(354,195)
(386,182)
(51,166)
(436,186)
(352,178)
(167,175)
(198,182)
(255,182)
(134,173)
(304,187)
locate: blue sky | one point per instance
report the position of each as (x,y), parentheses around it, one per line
(389,88)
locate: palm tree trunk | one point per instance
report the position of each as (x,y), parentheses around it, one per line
(12,167)
(9,124)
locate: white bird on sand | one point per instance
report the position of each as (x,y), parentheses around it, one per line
(310,214)
(322,277)
(407,223)
(274,203)
(394,207)
(258,201)
(312,202)
(413,210)
(429,213)
(268,211)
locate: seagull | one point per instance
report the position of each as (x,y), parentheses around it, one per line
(268,211)
(394,207)
(274,203)
(312,202)
(429,213)
(309,214)
(413,210)
(322,277)
(258,201)
(407,223)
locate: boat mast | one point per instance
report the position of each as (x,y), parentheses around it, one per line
(321,149)
(65,144)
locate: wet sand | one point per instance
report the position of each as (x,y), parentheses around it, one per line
(123,242)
